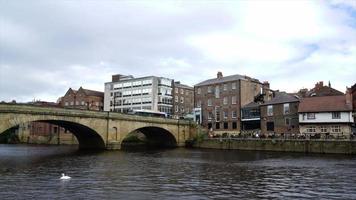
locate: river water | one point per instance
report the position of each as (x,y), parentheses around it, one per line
(32,172)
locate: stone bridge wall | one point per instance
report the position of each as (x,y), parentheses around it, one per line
(111,127)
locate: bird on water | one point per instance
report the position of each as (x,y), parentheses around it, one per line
(64,177)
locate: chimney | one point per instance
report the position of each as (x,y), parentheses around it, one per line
(319,85)
(219,75)
(348,96)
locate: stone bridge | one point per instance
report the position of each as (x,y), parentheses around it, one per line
(104,130)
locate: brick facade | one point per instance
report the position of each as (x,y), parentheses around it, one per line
(221,99)
(183,99)
(83,99)
(280,122)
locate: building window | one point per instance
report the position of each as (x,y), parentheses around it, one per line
(182,99)
(176,108)
(210,125)
(66,103)
(176,99)
(286,108)
(225,101)
(225,87)
(287,121)
(310,115)
(210,115)
(71,103)
(323,129)
(182,109)
(217,125)
(335,129)
(234,114)
(217,92)
(181,91)
(199,90)
(209,102)
(234,125)
(176,90)
(226,125)
(311,129)
(233,85)
(270,110)
(270,126)
(83,103)
(233,100)
(217,114)
(226,113)
(210,89)
(336,115)
(199,104)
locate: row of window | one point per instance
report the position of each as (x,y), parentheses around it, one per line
(225,101)
(225,87)
(133,84)
(323,129)
(181,99)
(133,101)
(286,109)
(225,115)
(181,109)
(82,103)
(182,91)
(225,125)
(334,115)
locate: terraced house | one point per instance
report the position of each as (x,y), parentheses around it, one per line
(220,100)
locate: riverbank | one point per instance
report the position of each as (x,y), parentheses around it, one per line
(281,145)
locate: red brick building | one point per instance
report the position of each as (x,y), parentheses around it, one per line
(183,99)
(279,116)
(83,99)
(221,99)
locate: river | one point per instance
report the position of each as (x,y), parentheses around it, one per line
(32,172)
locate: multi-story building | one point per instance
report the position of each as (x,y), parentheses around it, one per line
(279,116)
(183,99)
(83,99)
(327,116)
(250,113)
(126,93)
(220,100)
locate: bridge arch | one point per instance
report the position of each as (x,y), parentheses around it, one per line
(87,137)
(156,136)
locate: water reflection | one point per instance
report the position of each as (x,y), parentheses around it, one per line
(173,174)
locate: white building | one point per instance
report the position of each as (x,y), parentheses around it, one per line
(327,116)
(127,93)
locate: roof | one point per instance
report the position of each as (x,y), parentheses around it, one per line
(225,79)
(281,97)
(323,91)
(179,85)
(324,104)
(93,93)
(251,105)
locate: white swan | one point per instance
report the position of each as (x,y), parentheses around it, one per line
(64,177)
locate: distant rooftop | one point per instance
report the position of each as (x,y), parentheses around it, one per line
(178,84)
(281,97)
(221,79)
(324,104)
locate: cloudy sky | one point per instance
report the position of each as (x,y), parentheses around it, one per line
(48,46)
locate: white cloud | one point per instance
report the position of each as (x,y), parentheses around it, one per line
(289,43)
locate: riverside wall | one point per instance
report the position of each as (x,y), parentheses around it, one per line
(281,145)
